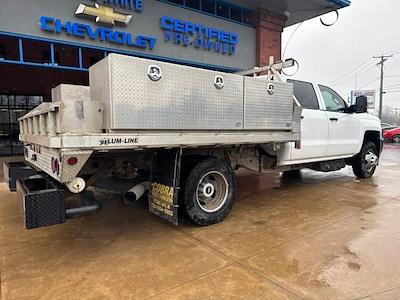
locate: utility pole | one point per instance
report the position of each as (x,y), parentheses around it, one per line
(382,58)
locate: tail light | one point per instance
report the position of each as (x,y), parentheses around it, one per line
(72,161)
(55,166)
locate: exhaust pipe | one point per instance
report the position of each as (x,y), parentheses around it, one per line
(88,206)
(83,210)
(135,193)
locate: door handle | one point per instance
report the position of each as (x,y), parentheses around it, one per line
(334,119)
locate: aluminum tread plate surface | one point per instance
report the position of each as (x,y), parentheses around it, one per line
(263,111)
(184,98)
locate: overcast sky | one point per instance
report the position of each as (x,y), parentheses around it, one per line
(333,55)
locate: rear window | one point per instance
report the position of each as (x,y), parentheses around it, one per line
(305,94)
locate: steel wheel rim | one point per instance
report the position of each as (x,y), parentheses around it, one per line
(370,161)
(212,191)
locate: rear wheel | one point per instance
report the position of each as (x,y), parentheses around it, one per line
(396,139)
(209,191)
(364,164)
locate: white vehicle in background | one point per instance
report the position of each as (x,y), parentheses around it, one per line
(181,132)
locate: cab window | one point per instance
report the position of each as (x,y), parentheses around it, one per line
(333,102)
(305,94)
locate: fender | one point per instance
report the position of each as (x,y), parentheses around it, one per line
(370,128)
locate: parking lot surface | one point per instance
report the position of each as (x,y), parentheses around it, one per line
(319,236)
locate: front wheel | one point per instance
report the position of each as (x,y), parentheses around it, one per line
(396,139)
(365,163)
(210,191)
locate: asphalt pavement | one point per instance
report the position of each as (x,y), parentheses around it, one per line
(318,236)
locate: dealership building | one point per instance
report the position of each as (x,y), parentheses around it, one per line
(44,43)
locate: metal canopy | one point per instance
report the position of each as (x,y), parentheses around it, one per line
(297,10)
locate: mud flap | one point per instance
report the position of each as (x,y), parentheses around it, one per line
(14,171)
(164,184)
(42,201)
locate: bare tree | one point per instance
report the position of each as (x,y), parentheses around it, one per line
(391,115)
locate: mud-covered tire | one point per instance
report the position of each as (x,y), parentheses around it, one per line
(210,191)
(361,167)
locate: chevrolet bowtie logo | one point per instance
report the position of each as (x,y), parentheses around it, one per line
(103,14)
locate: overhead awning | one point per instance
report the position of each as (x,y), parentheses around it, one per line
(298,10)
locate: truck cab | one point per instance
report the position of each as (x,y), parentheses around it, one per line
(330,129)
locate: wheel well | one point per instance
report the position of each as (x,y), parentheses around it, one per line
(375,137)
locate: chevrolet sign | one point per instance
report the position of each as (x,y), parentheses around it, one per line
(99,33)
(103,14)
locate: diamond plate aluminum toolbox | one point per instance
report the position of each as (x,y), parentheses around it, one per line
(267,107)
(140,94)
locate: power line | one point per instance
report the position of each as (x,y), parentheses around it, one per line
(347,81)
(392,86)
(367,84)
(397,51)
(352,72)
(363,72)
(391,90)
(362,66)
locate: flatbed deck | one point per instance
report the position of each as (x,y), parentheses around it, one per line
(148,139)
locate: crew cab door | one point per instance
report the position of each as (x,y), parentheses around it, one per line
(314,127)
(344,127)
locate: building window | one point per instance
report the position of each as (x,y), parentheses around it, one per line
(37,52)
(13,107)
(195,4)
(46,56)
(222,10)
(91,56)
(218,8)
(9,48)
(94,59)
(208,6)
(66,55)
(180,2)
(246,17)
(2,52)
(236,14)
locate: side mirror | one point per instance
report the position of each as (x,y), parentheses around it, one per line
(361,105)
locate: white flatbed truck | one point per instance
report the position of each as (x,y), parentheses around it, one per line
(181,132)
